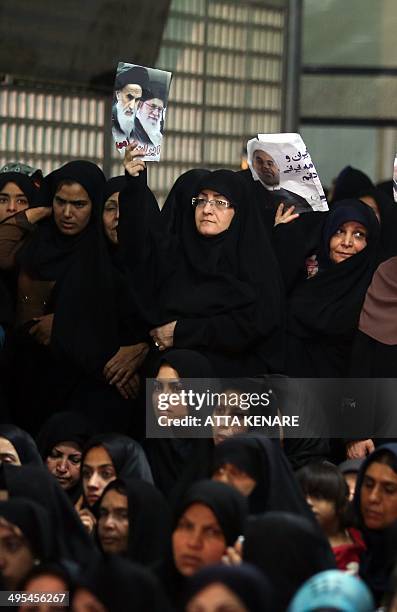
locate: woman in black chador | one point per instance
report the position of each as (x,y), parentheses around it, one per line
(324,310)
(215,284)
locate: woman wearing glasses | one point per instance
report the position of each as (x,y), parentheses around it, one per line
(215,284)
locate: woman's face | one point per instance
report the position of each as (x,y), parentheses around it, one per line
(198,540)
(72,209)
(12,200)
(16,558)
(110,217)
(223,414)
(97,471)
(213,219)
(379,496)
(167,384)
(233,476)
(64,463)
(113,523)
(349,239)
(8,453)
(216,598)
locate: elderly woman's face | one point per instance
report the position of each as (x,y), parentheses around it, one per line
(349,239)
(213,214)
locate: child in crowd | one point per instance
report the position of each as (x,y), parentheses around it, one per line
(328,496)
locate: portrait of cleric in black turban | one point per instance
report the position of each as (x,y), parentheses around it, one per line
(139,106)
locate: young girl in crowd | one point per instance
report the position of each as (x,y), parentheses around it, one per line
(327,494)
(106,457)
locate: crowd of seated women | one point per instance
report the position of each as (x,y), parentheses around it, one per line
(103,292)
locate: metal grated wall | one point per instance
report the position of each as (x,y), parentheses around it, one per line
(227,58)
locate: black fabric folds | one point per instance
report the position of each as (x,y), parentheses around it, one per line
(120,584)
(264,460)
(114,185)
(245,581)
(72,544)
(33,520)
(349,183)
(288,549)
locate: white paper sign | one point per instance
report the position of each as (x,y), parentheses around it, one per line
(282,163)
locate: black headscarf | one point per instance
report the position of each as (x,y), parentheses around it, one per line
(353,183)
(23,443)
(34,522)
(264,460)
(149,520)
(72,544)
(24,182)
(127,455)
(288,549)
(168,456)
(120,584)
(227,504)
(379,558)
(5,305)
(63,427)
(349,183)
(230,510)
(225,291)
(114,185)
(244,581)
(324,310)
(48,255)
(180,196)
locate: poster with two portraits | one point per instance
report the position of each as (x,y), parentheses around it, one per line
(139,107)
